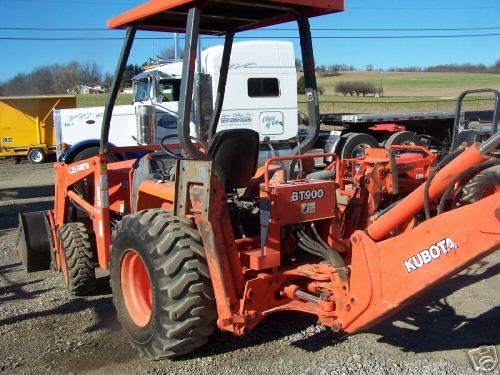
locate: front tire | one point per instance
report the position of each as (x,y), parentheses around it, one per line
(79,263)
(161,284)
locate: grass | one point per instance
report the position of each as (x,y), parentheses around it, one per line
(98,100)
(403,92)
(416,83)
(333,103)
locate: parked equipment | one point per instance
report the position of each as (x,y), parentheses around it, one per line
(200,237)
(26,125)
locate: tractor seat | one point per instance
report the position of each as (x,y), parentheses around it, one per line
(235,153)
(153,166)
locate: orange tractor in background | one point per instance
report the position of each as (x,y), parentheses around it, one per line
(195,236)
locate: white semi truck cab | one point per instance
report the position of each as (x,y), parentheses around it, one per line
(267,103)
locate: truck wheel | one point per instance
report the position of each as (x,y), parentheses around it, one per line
(79,266)
(90,152)
(352,145)
(86,187)
(37,155)
(161,284)
(402,138)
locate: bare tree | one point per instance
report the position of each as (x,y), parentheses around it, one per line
(54,79)
(169,53)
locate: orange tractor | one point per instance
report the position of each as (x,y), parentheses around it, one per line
(195,235)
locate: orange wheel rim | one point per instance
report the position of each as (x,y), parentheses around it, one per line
(136,288)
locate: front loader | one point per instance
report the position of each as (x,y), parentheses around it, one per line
(195,236)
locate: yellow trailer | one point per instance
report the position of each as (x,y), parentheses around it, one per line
(27,127)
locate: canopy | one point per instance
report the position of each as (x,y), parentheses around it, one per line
(221,16)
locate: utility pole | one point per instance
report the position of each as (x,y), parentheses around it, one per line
(381,83)
(176,46)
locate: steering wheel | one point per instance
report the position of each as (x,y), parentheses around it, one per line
(171,154)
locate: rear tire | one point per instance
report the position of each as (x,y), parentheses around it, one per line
(37,155)
(402,138)
(352,145)
(79,264)
(175,313)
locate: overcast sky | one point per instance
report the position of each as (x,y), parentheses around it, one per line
(480,17)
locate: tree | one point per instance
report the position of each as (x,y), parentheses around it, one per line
(358,88)
(301,86)
(298,64)
(369,68)
(108,80)
(169,53)
(54,79)
(130,71)
(496,66)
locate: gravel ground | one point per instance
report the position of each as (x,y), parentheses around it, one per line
(44,330)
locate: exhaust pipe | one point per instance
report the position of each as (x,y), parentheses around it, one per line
(34,241)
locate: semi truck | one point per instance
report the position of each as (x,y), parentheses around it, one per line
(26,125)
(261,75)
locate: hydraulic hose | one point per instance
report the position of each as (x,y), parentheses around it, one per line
(334,256)
(318,247)
(441,164)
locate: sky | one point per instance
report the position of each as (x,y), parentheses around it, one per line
(22,56)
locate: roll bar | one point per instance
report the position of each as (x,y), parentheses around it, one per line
(186,92)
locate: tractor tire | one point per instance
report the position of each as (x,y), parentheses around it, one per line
(79,265)
(36,155)
(484,183)
(352,145)
(161,284)
(402,138)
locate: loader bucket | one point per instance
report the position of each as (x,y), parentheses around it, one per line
(34,241)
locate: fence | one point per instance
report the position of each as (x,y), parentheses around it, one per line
(381,106)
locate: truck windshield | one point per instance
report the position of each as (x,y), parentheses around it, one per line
(141,90)
(169,89)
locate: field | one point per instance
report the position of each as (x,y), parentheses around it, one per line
(414,91)
(96,100)
(402,92)
(416,84)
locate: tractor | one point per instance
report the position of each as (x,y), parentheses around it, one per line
(195,236)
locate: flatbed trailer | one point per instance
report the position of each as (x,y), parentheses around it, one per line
(352,132)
